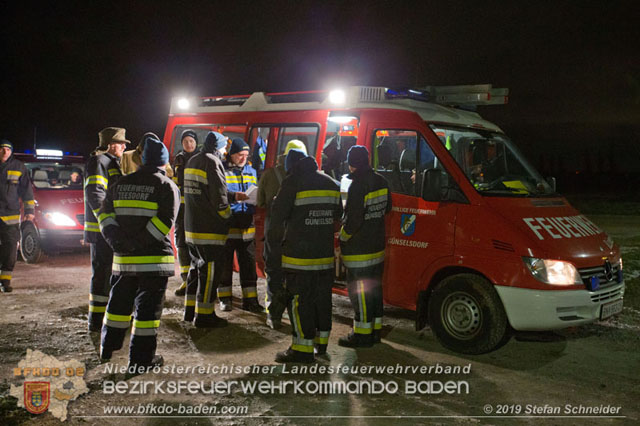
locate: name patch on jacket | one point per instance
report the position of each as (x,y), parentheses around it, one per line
(319,217)
(134,192)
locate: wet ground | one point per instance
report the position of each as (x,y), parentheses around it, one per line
(590,366)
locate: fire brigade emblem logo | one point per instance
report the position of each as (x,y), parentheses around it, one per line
(36,397)
(408,224)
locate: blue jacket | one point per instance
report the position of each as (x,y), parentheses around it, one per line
(240,179)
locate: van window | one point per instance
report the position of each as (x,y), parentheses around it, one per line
(55,175)
(492,163)
(229,130)
(400,158)
(342,134)
(264,134)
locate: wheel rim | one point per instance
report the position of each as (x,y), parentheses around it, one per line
(29,244)
(461,315)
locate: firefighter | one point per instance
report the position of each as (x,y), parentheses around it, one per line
(240,176)
(135,220)
(189,140)
(102,172)
(268,187)
(362,241)
(206,224)
(300,234)
(16,186)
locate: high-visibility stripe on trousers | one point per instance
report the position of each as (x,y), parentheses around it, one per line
(142,296)
(365,292)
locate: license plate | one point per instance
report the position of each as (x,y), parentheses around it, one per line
(610,309)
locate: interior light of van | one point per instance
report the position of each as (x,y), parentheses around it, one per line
(183,103)
(59,219)
(343,119)
(337,96)
(554,272)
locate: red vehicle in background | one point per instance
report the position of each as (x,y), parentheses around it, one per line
(59,200)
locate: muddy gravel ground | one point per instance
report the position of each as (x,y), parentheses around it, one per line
(590,366)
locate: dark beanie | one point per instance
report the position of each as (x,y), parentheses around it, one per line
(358,157)
(6,144)
(238,145)
(189,132)
(140,146)
(214,142)
(154,152)
(293,157)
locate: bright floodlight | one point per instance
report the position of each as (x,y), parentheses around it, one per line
(337,96)
(183,103)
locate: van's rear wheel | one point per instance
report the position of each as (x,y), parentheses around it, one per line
(467,316)
(30,245)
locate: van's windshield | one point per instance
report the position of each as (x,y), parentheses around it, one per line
(492,163)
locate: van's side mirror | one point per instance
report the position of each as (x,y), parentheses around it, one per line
(552,182)
(432,183)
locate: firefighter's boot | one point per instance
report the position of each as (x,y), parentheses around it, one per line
(251,304)
(294,356)
(180,291)
(354,340)
(225,304)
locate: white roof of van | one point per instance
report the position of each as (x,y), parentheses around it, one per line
(355,98)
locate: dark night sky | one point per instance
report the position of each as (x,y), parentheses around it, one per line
(72,68)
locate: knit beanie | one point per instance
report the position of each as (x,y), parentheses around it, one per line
(6,144)
(191,133)
(238,145)
(358,157)
(154,152)
(213,142)
(293,157)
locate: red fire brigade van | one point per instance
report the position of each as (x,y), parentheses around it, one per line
(478,243)
(57,190)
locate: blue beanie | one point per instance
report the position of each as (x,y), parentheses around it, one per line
(293,157)
(238,145)
(6,144)
(214,141)
(358,157)
(154,152)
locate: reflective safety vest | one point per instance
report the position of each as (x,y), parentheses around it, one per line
(15,185)
(240,179)
(136,219)
(102,172)
(303,217)
(362,236)
(207,210)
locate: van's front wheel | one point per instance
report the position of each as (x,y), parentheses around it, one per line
(30,244)
(467,316)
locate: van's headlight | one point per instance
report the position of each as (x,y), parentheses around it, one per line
(59,219)
(554,272)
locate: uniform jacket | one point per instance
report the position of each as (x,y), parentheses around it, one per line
(102,172)
(15,185)
(303,218)
(240,179)
(207,211)
(179,164)
(135,220)
(362,235)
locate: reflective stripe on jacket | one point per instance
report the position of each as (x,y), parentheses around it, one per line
(362,236)
(102,171)
(15,185)
(303,218)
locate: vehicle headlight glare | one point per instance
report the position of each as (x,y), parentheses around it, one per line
(59,219)
(554,272)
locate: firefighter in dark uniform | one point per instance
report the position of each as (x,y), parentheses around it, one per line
(189,140)
(102,171)
(135,220)
(301,237)
(362,242)
(206,224)
(240,176)
(15,186)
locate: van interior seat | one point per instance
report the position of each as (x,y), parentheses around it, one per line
(40,179)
